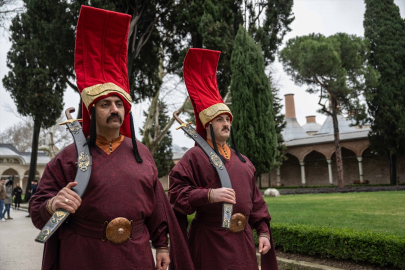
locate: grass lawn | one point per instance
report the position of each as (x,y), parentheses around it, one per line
(382,212)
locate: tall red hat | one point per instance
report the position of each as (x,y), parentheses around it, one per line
(200,76)
(101,60)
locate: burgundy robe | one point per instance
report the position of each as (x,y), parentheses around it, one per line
(212,247)
(118,187)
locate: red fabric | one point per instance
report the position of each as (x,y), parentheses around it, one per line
(114,190)
(200,77)
(101,55)
(212,247)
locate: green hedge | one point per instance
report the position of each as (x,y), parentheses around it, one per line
(332,186)
(340,243)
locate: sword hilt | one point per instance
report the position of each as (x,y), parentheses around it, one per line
(182,124)
(68,112)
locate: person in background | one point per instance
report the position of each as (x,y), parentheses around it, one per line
(2,197)
(9,198)
(17,196)
(34,185)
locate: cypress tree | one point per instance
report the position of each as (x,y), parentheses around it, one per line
(163,156)
(252,104)
(34,86)
(279,124)
(384,28)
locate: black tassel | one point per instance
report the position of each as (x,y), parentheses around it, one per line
(93,130)
(215,145)
(135,146)
(236,148)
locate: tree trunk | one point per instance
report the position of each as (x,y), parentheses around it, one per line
(393,169)
(259,177)
(338,148)
(34,156)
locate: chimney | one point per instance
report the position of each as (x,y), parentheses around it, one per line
(311,119)
(289,106)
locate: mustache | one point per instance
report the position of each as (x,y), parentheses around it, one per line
(114,115)
(225,128)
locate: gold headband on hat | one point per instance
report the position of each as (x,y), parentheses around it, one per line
(90,94)
(213,111)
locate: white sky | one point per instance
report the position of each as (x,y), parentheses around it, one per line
(311,16)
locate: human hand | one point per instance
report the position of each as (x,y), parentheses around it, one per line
(223,195)
(67,199)
(264,245)
(162,261)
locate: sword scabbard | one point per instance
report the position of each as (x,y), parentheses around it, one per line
(84,164)
(57,219)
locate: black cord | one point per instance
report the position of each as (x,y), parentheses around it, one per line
(236,148)
(135,146)
(93,131)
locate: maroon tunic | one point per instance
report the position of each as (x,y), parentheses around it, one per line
(118,187)
(212,247)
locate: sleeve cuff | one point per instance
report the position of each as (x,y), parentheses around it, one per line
(262,227)
(198,197)
(161,242)
(45,215)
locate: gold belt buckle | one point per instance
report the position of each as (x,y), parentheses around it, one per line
(238,222)
(119,230)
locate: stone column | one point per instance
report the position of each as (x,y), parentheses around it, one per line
(330,171)
(278,177)
(302,163)
(360,159)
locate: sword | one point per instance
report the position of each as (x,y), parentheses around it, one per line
(83,164)
(216,162)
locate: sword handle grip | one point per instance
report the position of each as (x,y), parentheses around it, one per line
(176,116)
(68,112)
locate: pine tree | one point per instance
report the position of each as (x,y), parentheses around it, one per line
(385,30)
(252,103)
(163,156)
(34,85)
(335,67)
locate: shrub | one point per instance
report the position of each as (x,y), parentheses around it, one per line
(340,243)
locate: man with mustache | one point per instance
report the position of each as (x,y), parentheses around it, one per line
(123,192)
(195,186)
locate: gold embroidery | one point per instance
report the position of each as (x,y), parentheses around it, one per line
(58,216)
(43,235)
(91,93)
(83,161)
(216,161)
(213,111)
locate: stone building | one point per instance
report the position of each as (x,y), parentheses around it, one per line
(311,154)
(13,162)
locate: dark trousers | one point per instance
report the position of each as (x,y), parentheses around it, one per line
(16,204)
(6,210)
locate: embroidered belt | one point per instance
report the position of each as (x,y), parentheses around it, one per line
(238,222)
(117,231)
